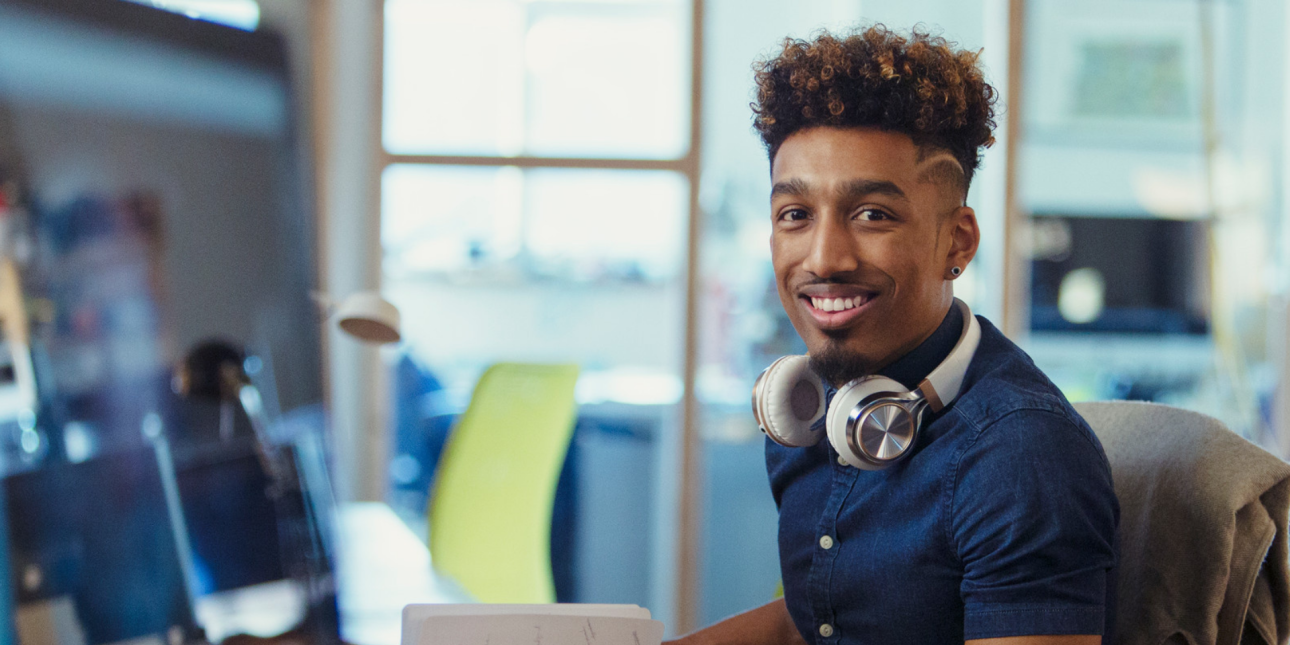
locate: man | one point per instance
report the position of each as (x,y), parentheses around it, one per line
(1000,525)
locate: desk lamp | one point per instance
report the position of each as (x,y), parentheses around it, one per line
(364,315)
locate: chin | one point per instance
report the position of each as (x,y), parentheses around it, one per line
(837,364)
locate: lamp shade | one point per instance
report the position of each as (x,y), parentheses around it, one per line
(367,316)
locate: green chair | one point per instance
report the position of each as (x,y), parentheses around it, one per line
(490,510)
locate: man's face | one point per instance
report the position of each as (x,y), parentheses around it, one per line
(865,233)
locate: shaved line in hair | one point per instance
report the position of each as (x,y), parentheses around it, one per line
(946,171)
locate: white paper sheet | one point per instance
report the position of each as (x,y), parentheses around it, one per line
(535,629)
(415,617)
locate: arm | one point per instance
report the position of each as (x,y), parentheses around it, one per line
(768,624)
(1039,559)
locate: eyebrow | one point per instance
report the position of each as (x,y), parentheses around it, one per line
(853,188)
(793,187)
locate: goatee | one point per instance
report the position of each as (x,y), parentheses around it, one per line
(837,365)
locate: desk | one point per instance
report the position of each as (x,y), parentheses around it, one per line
(381,567)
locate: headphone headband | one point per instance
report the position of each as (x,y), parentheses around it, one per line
(942,386)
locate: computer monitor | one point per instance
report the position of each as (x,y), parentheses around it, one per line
(152,198)
(94,541)
(1119,274)
(259,552)
(231,521)
(156,201)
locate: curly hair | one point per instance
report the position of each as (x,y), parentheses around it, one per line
(918,86)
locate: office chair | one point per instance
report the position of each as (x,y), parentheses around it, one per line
(490,510)
(1203,521)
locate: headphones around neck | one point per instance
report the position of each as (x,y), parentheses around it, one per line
(873,421)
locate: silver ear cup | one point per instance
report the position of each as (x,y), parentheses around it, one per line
(873,421)
(883,430)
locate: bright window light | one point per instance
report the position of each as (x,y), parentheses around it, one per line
(243,14)
(561,79)
(580,224)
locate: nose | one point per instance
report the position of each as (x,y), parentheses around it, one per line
(833,249)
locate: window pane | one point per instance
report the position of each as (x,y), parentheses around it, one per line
(585,225)
(548,266)
(596,224)
(628,99)
(448,88)
(597,79)
(447,218)
(1143,284)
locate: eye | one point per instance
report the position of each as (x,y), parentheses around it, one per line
(794,215)
(873,215)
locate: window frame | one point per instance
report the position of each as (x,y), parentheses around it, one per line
(685,572)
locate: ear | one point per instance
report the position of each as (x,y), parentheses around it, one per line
(964,237)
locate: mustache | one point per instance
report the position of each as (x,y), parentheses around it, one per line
(868,284)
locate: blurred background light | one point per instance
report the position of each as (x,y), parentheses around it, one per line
(243,14)
(1082,296)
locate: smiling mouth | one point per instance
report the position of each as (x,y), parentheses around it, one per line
(836,312)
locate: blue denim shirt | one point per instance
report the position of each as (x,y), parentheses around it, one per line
(1002,522)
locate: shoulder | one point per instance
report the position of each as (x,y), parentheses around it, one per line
(1022,436)
(1029,452)
(1006,397)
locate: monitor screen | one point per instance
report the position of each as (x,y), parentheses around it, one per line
(96,538)
(1118,274)
(230,516)
(152,202)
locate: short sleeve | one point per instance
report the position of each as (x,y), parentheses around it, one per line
(1033,517)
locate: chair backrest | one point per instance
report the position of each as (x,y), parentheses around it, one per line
(1203,520)
(490,511)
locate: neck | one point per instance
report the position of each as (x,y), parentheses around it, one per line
(914,366)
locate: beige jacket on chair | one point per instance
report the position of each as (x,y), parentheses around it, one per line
(1203,521)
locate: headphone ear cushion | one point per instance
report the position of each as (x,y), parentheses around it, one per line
(844,402)
(789,401)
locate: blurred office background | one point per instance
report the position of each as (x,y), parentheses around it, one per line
(577,181)
(592,191)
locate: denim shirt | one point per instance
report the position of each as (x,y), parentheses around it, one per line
(1001,522)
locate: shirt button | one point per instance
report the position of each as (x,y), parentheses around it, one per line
(842,461)
(826,630)
(826,543)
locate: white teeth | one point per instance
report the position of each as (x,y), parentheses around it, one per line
(836,304)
